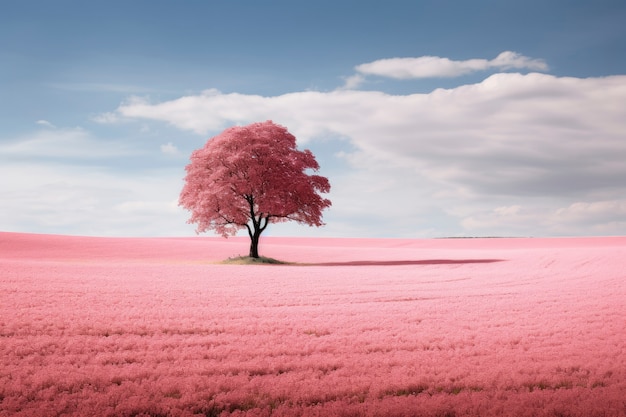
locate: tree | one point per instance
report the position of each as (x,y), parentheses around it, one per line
(251,176)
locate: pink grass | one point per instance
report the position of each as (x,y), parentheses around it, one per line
(462,327)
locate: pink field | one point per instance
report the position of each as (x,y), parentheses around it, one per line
(451,327)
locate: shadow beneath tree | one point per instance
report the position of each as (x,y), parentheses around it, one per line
(410,262)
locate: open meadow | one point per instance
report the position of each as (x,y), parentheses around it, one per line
(358,327)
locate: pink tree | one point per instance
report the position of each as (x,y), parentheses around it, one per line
(249,177)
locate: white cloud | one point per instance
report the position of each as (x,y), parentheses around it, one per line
(514,154)
(578,218)
(106,118)
(540,141)
(63,143)
(597,212)
(513,60)
(169,149)
(353,82)
(438,67)
(70,181)
(57,198)
(45,123)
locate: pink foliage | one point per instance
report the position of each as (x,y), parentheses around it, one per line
(252,173)
(472,327)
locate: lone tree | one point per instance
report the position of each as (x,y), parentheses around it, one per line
(249,177)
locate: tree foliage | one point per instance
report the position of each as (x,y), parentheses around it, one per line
(250,176)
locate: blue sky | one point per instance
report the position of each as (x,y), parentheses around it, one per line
(430,118)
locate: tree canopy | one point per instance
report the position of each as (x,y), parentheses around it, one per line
(250,176)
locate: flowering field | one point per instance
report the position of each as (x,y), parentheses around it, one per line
(450,327)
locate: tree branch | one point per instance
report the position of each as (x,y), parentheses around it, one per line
(267,220)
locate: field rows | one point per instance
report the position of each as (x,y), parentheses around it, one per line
(123,327)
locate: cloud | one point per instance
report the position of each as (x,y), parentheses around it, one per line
(45,123)
(438,67)
(353,82)
(578,218)
(48,197)
(72,143)
(169,149)
(70,181)
(591,213)
(185,110)
(543,140)
(106,118)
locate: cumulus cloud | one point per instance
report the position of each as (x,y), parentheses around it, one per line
(438,67)
(512,136)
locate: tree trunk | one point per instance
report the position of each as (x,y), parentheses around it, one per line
(254,244)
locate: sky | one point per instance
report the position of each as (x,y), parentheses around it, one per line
(429,118)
